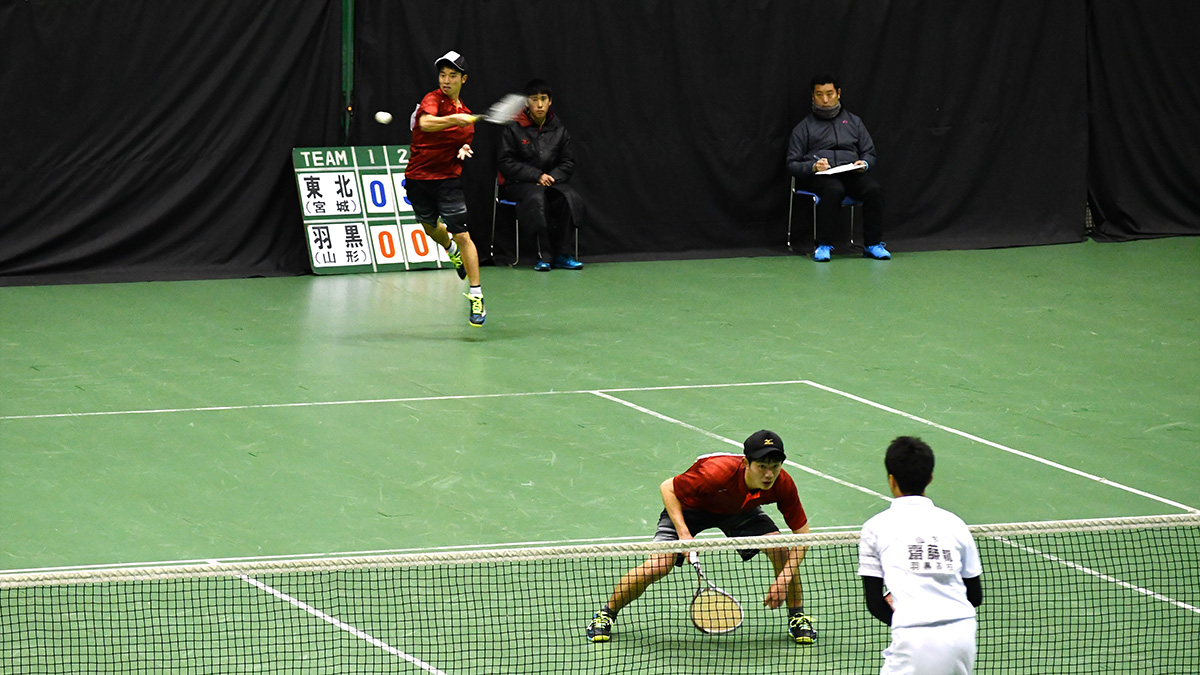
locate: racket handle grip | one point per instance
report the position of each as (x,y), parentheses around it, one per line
(693,558)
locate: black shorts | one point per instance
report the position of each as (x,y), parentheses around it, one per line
(752,523)
(433,198)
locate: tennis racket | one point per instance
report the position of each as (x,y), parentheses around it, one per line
(713,610)
(505,110)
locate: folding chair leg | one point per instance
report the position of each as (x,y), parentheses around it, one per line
(791,198)
(516,241)
(492,251)
(814,224)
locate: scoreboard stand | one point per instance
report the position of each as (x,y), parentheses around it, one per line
(356,212)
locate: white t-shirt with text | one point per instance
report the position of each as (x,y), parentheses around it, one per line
(922,553)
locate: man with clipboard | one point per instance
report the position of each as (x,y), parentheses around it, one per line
(831,154)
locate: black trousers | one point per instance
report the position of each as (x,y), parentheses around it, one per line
(543,212)
(832,190)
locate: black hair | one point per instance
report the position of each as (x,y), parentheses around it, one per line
(910,461)
(825,78)
(539,86)
(769,457)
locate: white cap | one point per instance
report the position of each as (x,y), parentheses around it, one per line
(452,59)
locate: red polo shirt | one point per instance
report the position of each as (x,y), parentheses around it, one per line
(717,484)
(435,153)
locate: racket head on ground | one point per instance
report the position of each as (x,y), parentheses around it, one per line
(714,611)
(506,109)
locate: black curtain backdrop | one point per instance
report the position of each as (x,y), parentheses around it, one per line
(152,140)
(1144,111)
(682,110)
(147,140)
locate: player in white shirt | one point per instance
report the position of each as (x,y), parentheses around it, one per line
(927,558)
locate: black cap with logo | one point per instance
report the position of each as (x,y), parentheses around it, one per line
(763,443)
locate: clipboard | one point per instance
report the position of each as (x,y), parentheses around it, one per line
(842,169)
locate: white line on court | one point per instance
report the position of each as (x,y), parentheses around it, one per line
(366,637)
(732,442)
(604,393)
(1101,575)
(269,406)
(1005,448)
(369,401)
(465,397)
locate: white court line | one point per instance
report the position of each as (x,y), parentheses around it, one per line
(269,406)
(362,635)
(738,444)
(815,385)
(369,401)
(1101,575)
(1005,448)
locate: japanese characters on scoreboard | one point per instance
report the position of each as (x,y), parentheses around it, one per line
(356,215)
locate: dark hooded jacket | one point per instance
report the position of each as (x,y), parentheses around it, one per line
(841,140)
(527,151)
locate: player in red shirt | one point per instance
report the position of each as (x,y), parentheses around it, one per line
(442,130)
(726,491)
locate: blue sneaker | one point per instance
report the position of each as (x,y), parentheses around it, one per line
(877,252)
(566,262)
(823,253)
(541,266)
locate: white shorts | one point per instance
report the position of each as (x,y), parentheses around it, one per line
(943,649)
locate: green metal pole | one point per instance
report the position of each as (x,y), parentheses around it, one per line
(347,68)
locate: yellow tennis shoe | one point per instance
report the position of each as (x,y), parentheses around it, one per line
(600,629)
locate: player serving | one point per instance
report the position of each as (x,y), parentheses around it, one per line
(442,130)
(725,491)
(928,560)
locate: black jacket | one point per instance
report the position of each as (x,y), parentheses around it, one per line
(842,140)
(527,151)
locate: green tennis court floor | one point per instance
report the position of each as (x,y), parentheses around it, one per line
(317,415)
(322,416)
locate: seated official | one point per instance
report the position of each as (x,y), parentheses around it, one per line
(831,137)
(536,163)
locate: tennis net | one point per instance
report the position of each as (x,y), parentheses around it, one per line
(1100,596)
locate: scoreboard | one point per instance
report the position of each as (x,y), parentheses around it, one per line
(356,213)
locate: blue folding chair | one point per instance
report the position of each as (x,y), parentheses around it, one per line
(816,200)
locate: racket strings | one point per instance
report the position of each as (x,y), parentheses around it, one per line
(714,611)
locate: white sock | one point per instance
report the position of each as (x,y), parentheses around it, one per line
(453,248)
(476,292)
